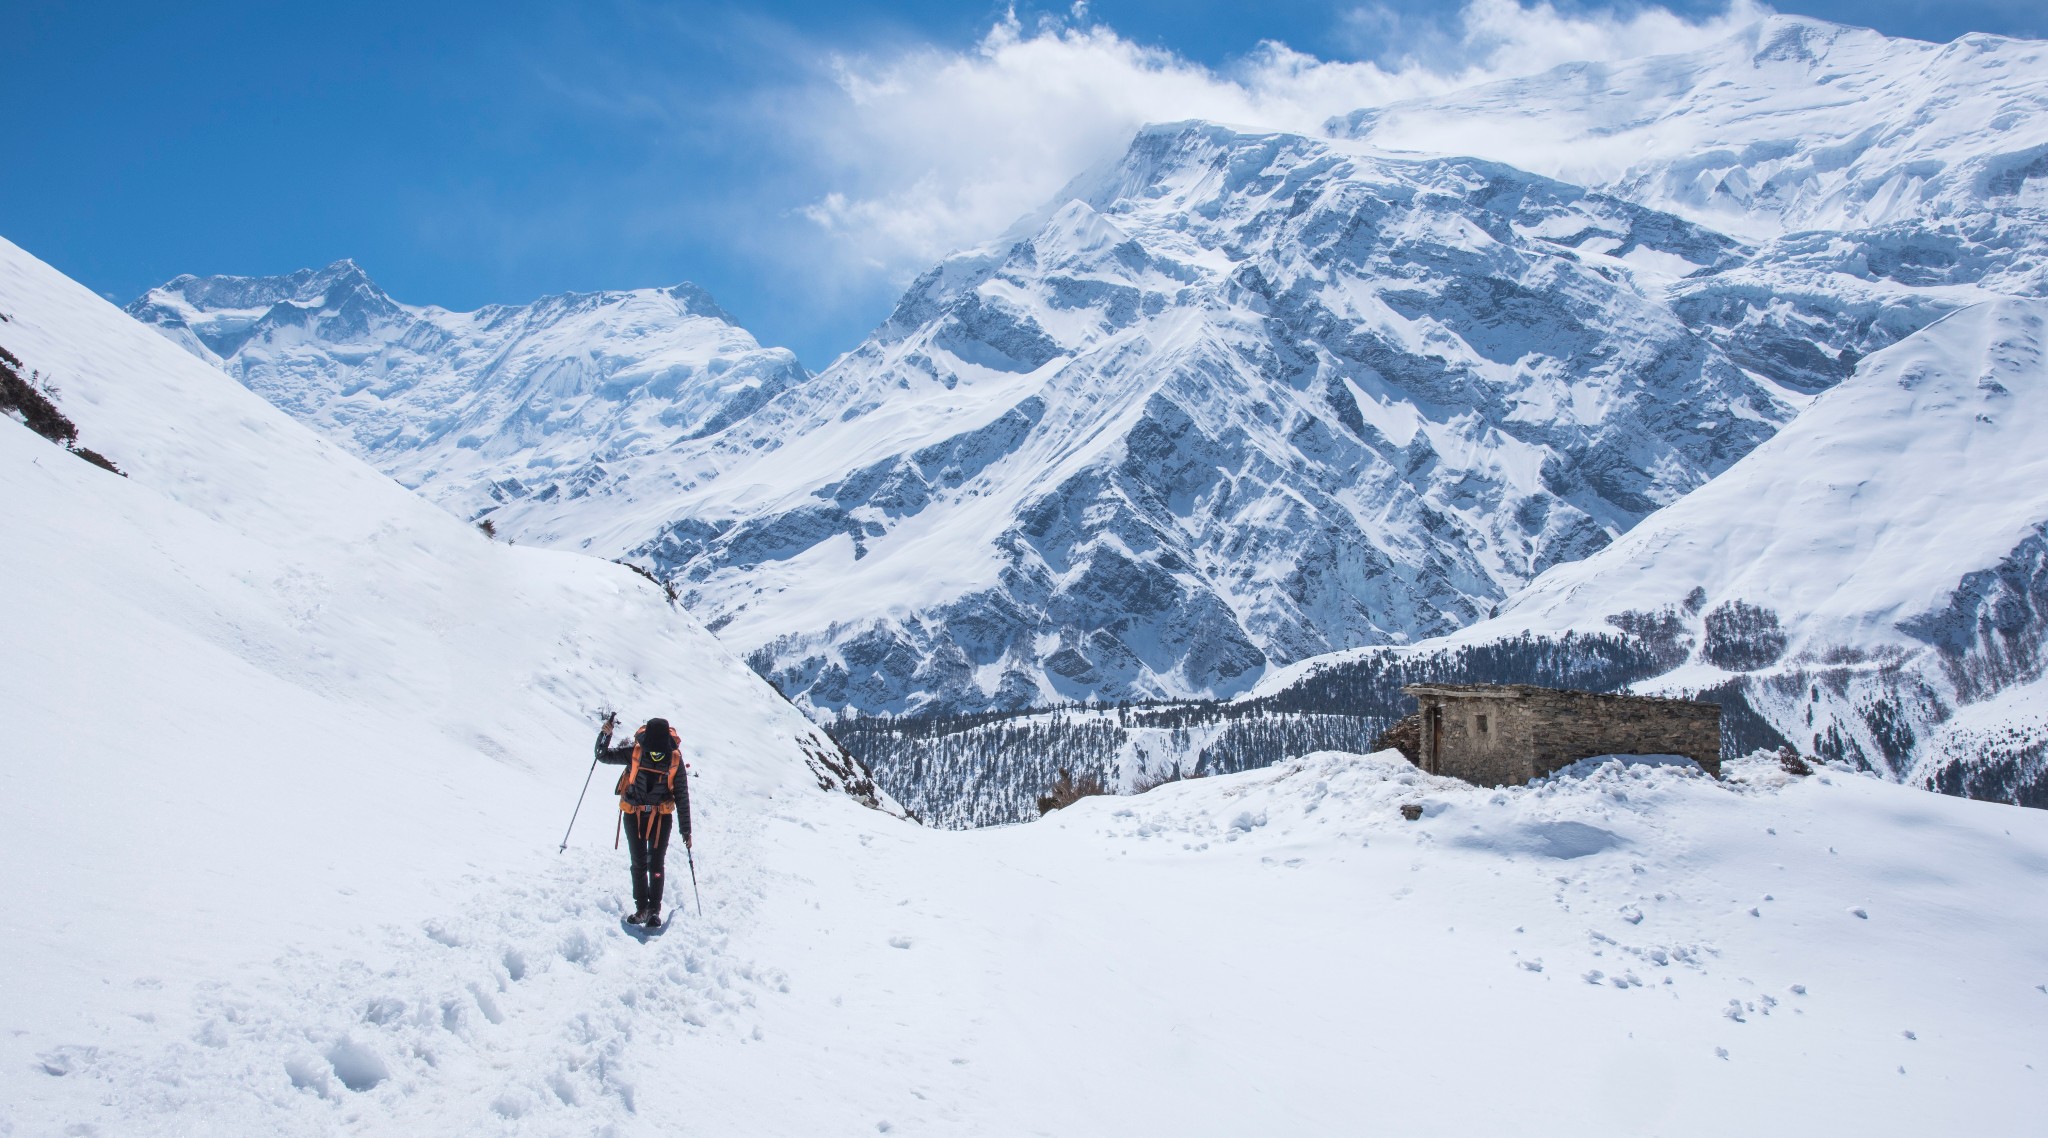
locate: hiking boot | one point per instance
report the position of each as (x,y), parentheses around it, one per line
(638,916)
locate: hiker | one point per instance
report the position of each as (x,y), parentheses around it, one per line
(654,795)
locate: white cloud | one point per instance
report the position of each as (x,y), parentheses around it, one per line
(929,150)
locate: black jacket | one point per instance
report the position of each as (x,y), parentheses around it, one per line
(652,787)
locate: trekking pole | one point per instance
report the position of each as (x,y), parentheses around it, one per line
(608,718)
(692,858)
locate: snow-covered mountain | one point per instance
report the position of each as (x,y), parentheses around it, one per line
(1881,180)
(1240,398)
(285,752)
(477,408)
(1872,582)
(1878,566)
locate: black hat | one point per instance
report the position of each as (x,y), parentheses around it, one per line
(657,738)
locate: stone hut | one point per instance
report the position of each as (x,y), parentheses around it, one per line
(1507,734)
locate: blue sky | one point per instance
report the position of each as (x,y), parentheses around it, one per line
(800,160)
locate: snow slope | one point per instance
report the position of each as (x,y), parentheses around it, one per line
(473,409)
(1867,511)
(1627,949)
(257,693)
(1898,532)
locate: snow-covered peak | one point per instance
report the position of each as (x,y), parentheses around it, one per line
(319,287)
(1789,124)
(215,316)
(477,408)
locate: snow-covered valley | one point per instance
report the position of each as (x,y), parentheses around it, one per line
(1719,375)
(288,750)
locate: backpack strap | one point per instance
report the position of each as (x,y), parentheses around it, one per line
(627,779)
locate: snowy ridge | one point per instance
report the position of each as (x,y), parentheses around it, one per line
(1882,181)
(542,400)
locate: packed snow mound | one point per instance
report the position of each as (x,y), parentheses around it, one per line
(256,692)
(473,409)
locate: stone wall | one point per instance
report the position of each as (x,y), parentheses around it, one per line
(1507,734)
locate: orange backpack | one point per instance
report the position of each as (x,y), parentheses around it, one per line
(657,790)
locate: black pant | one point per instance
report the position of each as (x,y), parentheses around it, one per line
(647,837)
